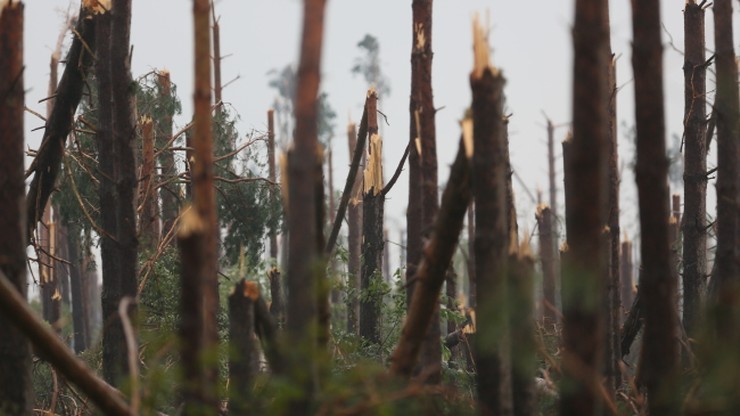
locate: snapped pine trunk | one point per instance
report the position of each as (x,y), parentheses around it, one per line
(524,347)
(544,218)
(586,198)
(373,202)
(423,135)
(354,241)
(148,201)
(694,225)
(16,394)
(242,350)
(659,355)
(490,168)
(169,191)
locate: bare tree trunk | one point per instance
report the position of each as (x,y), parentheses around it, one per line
(524,346)
(544,218)
(659,354)
(76,283)
(695,166)
(431,272)
(149,202)
(626,281)
(725,285)
(169,192)
(586,198)
(242,350)
(372,239)
(490,169)
(197,237)
(16,393)
(47,163)
(471,257)
(50,298)
(303,262)
(423,133)
(272,176)
(354,241)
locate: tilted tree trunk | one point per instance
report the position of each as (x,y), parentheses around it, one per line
(694,225)
(489,171)
(373,202)
(47,163)
(423,136)
(16,394)
(431,272)
(354,242)
(304,261)
(586,198)
(659,355)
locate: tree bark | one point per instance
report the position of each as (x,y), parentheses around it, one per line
(277,307)
(659,354)
(586,198)
(354,241)
(16,393)
(694,223)
(242,352)
(372,230)
(524,346)
(492,228)
(169,192)
(75,276)
(198,239)
(423,132)
(53,349)
(544,218)
(303,262)
(431,272)
(149,203)
(47,163)
(471,257)
(626,280)
(272,176)
(725,285)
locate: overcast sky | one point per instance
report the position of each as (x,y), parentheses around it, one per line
(531,43)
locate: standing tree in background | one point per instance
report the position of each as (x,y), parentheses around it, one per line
(16,394)
(369,66)
(586,197)
(164,111)
(659,355)
(694,225)
(423,192)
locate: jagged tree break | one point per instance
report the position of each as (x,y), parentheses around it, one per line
(586,197)
(490,169)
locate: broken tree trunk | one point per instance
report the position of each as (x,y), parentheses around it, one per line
(659,355)
(694,225)
(354,242)
(47,163)
(521,320)
(431,272)
(373,202)
(586,197)
(148,201)
(489,172)
(272,176)
(626,280)
(242,351)
(16,392)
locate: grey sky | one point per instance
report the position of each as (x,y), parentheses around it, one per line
(530,41)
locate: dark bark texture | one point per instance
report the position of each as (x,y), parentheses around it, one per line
(490,170)
(694,223)
(354,241)
(16,394)
(659,355)
(524,346)
(544,218)
(47,163)
(242,351)
(586,198)
(432,271)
